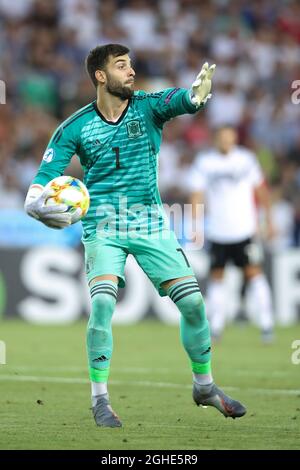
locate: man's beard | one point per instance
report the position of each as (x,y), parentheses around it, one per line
(116,89)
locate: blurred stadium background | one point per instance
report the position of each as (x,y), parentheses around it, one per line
(43,45)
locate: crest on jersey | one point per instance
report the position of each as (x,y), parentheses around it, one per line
(48,155)
(134,129)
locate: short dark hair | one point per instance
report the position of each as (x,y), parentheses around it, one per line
(98,58)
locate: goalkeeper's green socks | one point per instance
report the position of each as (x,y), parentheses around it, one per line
(99,334)
(202,373)
(194,328)
(98,388)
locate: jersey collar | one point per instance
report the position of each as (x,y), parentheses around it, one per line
(111,122)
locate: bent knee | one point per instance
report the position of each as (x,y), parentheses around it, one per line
(104,295)
(193,307)
(103,306)
(103,301)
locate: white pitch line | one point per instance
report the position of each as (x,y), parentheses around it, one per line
(32,378)
(262,373)
(148,370)
(142,383)
(142,370)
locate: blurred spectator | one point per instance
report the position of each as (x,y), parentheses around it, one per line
(227,107)
(282,214)
(16,10)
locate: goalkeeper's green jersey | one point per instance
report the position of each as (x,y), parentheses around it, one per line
(119,160)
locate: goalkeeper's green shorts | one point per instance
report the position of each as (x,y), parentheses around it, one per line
(160,257)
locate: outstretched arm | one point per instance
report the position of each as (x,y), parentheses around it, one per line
(172,102)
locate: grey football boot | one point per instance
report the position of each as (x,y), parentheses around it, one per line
(104,414)
(215,397)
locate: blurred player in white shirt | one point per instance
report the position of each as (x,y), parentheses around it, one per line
(227,180)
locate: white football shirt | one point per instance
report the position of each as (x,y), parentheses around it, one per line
(228,183)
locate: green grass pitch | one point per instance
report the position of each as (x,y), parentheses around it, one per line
(45,393)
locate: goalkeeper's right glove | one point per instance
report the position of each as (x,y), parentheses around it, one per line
(52,216)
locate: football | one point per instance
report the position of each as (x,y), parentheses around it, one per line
(72,192)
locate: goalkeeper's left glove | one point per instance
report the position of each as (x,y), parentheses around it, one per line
(201,87)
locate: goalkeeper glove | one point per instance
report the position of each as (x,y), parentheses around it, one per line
(52,216)
(201,87)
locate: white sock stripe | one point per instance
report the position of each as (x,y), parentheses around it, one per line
(182,288)
(104,291)
(100,289)
(98,388)
(96,286)
(106,286)
(179,284)
(189,291)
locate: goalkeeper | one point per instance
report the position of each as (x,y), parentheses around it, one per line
(117,139)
